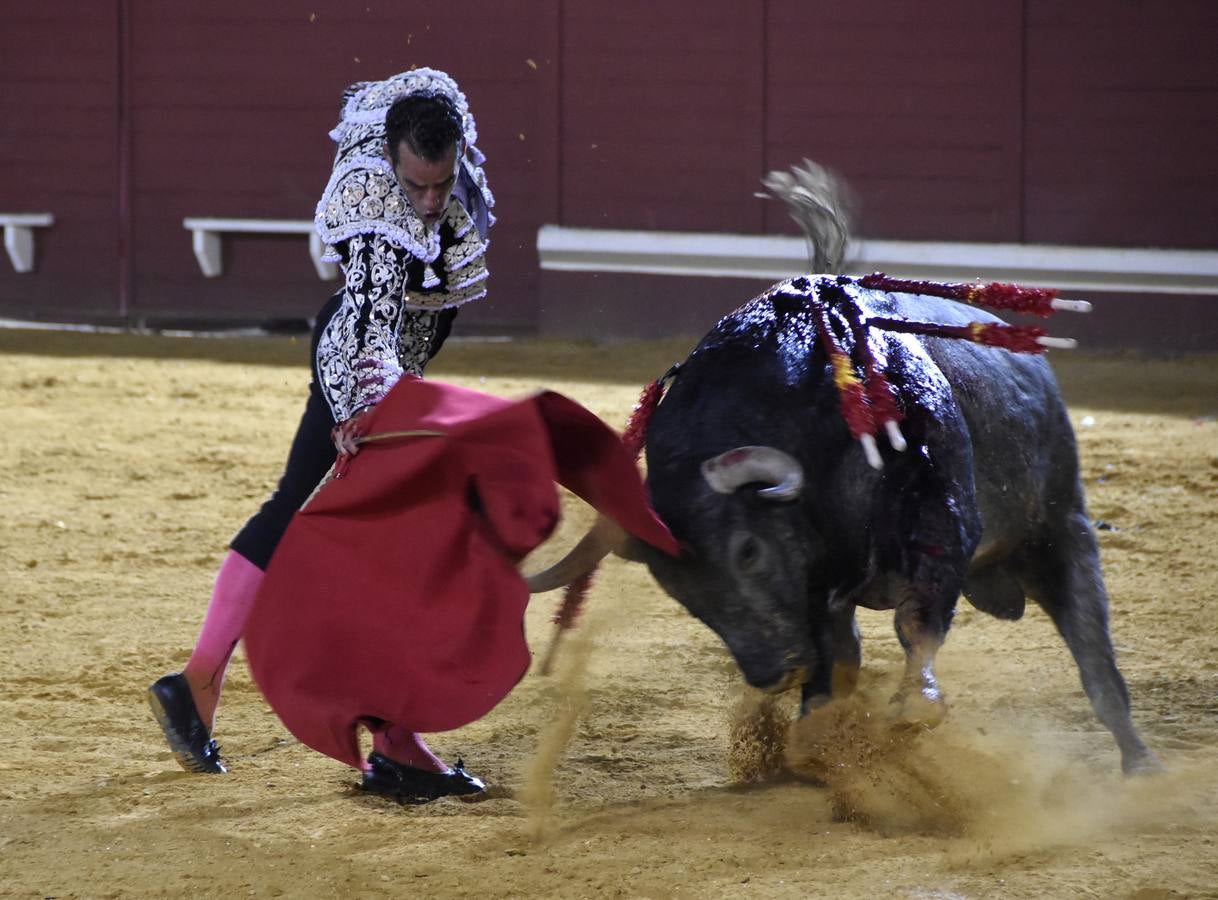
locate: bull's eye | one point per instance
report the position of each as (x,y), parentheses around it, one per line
(747,553)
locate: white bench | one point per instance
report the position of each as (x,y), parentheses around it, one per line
(19,236)
(780,256)
(206,240)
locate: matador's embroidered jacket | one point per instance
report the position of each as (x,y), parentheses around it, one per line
(403,280)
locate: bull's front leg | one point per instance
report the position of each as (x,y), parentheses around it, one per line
(924,548)
(839,655)
(925,577)
(924,594)
(921,626)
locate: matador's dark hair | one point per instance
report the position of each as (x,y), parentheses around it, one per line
(427,122)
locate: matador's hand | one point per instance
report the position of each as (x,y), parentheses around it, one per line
(346,433)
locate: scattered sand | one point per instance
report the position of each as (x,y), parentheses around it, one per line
(640,768)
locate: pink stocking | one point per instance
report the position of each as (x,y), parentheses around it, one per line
(236,584)
(406,747)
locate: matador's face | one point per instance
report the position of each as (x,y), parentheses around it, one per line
(428,183)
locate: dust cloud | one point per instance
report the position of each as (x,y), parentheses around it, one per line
(1004,790)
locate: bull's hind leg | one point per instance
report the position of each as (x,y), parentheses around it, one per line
(1064,577)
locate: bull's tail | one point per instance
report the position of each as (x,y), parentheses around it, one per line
(819,202)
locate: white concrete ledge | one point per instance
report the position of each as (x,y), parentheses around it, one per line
(19,236)
(780,256)
(205,238)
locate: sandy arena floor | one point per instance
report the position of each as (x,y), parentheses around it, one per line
(131,460)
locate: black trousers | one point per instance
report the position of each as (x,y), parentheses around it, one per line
(310,457)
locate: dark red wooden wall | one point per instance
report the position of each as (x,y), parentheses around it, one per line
(59,153)
(1121,123)
(918,104)
(1092,122)
(662,115)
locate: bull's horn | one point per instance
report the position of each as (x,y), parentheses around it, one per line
(603,538)
(729,471)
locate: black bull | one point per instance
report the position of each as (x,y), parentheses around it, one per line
(796,530)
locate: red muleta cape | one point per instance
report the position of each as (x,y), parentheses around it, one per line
(394,595)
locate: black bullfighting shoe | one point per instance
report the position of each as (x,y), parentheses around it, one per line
(188,737)
(406,784)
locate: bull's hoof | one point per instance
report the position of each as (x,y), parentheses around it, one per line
(814,702)
(1142,764)
(816,739)
(917,709)
(845,678)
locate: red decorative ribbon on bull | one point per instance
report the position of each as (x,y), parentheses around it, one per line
(869,400)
